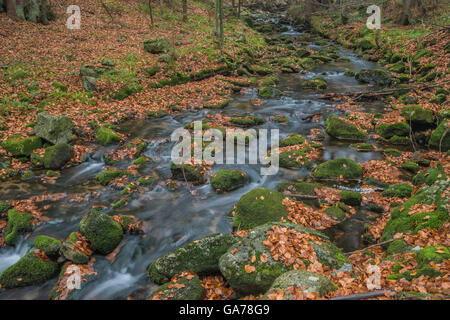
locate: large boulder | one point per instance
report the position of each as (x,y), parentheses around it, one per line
(54,129)
(249,267)
(57,156)
(440,138)
(49,245)
(400,129)
(101,230)
(338,168)
(201,256)
(70,252)
(258,207)
(401,221)
(376,76)
(186,287)
(341,129)
(28,271)
(418,116)
(305,281)
(18,223)
(20,147)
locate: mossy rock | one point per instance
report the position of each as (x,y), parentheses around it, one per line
(57,156)
(127,91)
(418,116)
(398,67)
(247,121)
(363,147)
(106,177)
(392,152)
(232,263)
(157,114)
(69,251)
(4,207)
(103,233)
(201,256)
(269,92)
(302,188)
(292,140)
(28,271)
(407,99)
(439,98)
(106,136)
(437,140)
(376,76)
(228,180)
(396,140)
(307,63)
(371,181)
(430,176)
(49,245)
(352,198)
(18,223)
(187,172)
(334,169)
(388,131)
(156,46)
(182,289)
(20,147)
(402,222)
(307,281)
(336,212)
(398,246)
(257,207)
(341,129)
(318,83)
(294,159)
(411,166)
(435,254)
(401,190)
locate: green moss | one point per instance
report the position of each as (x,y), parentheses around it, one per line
(228,180)
(106,177)
(119,204)
(157,114)
(411,166)
(392,152)
(18,223)
(60,86)
(268,92)
(292,140)
(430,176)
(29,270)
(401,190)
(57,156)
(439,98)
(294,159)
(315,83)
(187,172)
(336,213)
(4,207)
(257,207)
(21,146)
(127,91)
(399,140)
(371,181)
(435,254)
(417,115)
(341,129)
(336,168)
(351,198)
(376,76)
(145,181)
(140,161)
(397,246)
(387,131)
(247,121)
(103,233)
(187,289)
(49,245)
(437,140)
(363,147)
(106,136)
(303,188)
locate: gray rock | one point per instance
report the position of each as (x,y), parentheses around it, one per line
(89,83)
(55,129)
(70,253)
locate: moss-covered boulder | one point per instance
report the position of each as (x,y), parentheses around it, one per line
(71,253)
(376,76)
(20,147)
(430,176)
(57,156)
(187,172)
(299,188)
(233,263)
(106,136)
(401,190)
(269,92)
(318,83)
(303,280)
(338,168)
(101,230)
(440,138)
(388,131)
(341,129)
(106,177)
(55,129)
(186,287)
(18,223)
(401,221)
(398,246)
(257,207)
(337,212)
(418,116)
(49,245)
(292,140)
(156,46)
(352,198)
(228,180)
(411,166)
(295,158)
(247,121)
(439,98)
(27,271)
(201,256)
(435,254)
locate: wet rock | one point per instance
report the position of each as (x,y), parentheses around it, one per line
(269,92)
(341,129)
(318,83)
(57,156)
(27,271)
(232,264)
(376,76)
(106,136)
(201,256)
(21,146)
(228,180)
(308,281)
(70,252)
(103,233)
(49,245)
(257,207)
(106,177)
(18,223)
(55,129)
(187,172)
(292,140)
(337,168)
(187,287)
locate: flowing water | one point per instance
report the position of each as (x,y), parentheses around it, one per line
(174,218)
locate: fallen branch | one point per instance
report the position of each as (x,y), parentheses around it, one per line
(296,195)
(371,246)
(360,296)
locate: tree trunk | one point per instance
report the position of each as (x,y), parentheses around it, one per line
(30,10)
(185,15)
(406,12)
(151,12)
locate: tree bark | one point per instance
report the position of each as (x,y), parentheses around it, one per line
(406,12)
(185,15)
(30,10)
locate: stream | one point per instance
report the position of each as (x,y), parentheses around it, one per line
(173,218)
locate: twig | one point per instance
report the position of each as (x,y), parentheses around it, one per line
(371,246)
(300,195)
(360,296)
